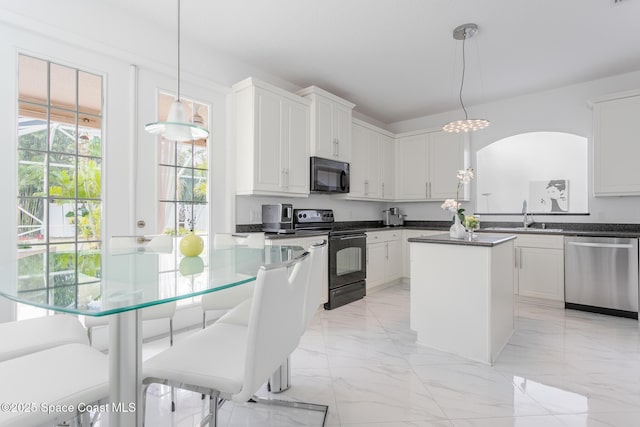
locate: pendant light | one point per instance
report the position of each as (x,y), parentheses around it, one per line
(463,32)
(178,127)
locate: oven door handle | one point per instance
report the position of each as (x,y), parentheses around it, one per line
(359,236)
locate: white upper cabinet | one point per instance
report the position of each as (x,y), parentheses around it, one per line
(372,166)
(616,145)
(427,164)
(330,124)
(387,163)
(272,131)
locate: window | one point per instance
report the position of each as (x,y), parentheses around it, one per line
(183,171)
(59,182)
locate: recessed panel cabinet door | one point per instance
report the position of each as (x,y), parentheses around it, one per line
(297,159)
(358,167)
(325,145)
(387,160)
(616,147)
(269,169)
(412,168)
(446,157)
(540,273)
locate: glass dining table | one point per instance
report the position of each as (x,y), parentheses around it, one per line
(127,280)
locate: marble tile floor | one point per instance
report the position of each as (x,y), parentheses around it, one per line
(560,368)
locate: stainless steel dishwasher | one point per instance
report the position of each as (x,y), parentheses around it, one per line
(601,275)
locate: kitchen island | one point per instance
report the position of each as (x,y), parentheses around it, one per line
(462,299)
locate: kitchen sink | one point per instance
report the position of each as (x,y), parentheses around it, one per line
(525,229)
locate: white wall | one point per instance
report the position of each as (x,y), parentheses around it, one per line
(560,110)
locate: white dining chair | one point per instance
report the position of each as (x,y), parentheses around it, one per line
(230,361)
(280,380)
(226,299)
(27,336)
(45,381)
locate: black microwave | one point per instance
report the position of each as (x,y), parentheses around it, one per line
(329,176)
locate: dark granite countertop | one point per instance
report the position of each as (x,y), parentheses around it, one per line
(561,229)
(481,239)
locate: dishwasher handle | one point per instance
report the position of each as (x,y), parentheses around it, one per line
(601,245)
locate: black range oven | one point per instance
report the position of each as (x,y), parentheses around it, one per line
(347,267)
(347,256)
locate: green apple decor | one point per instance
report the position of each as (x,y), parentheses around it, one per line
(191,245)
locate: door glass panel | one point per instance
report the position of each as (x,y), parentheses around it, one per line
(59,179)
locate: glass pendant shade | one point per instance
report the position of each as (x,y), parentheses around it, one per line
(467,125)
(177,127)
(463,32)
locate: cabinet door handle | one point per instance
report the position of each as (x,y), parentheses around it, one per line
(337,147)
(383,189)
(366,187)
(367,256)
(429,187)
(386,251)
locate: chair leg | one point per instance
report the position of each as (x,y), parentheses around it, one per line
(212,417)
(280,380)
(145,387)
(173,390)
(204,319)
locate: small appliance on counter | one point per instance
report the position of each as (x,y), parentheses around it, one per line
(392,217)
(277,218)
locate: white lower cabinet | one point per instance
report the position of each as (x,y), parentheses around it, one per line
(305,242)
(406,264)
(384,257)
(539,271)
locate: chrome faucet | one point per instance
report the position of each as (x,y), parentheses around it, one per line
(526,220)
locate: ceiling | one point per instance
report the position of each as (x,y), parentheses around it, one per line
(397,59)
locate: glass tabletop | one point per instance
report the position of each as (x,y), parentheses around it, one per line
(128,279)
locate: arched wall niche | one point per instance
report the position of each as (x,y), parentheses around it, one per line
(548,170)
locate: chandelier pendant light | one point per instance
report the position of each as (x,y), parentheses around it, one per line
(178,127)
(463,32)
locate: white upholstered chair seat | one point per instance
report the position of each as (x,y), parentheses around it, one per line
(64,375)
(214,355)
(29,336)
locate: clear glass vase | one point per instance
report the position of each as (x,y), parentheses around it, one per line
(457,230)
